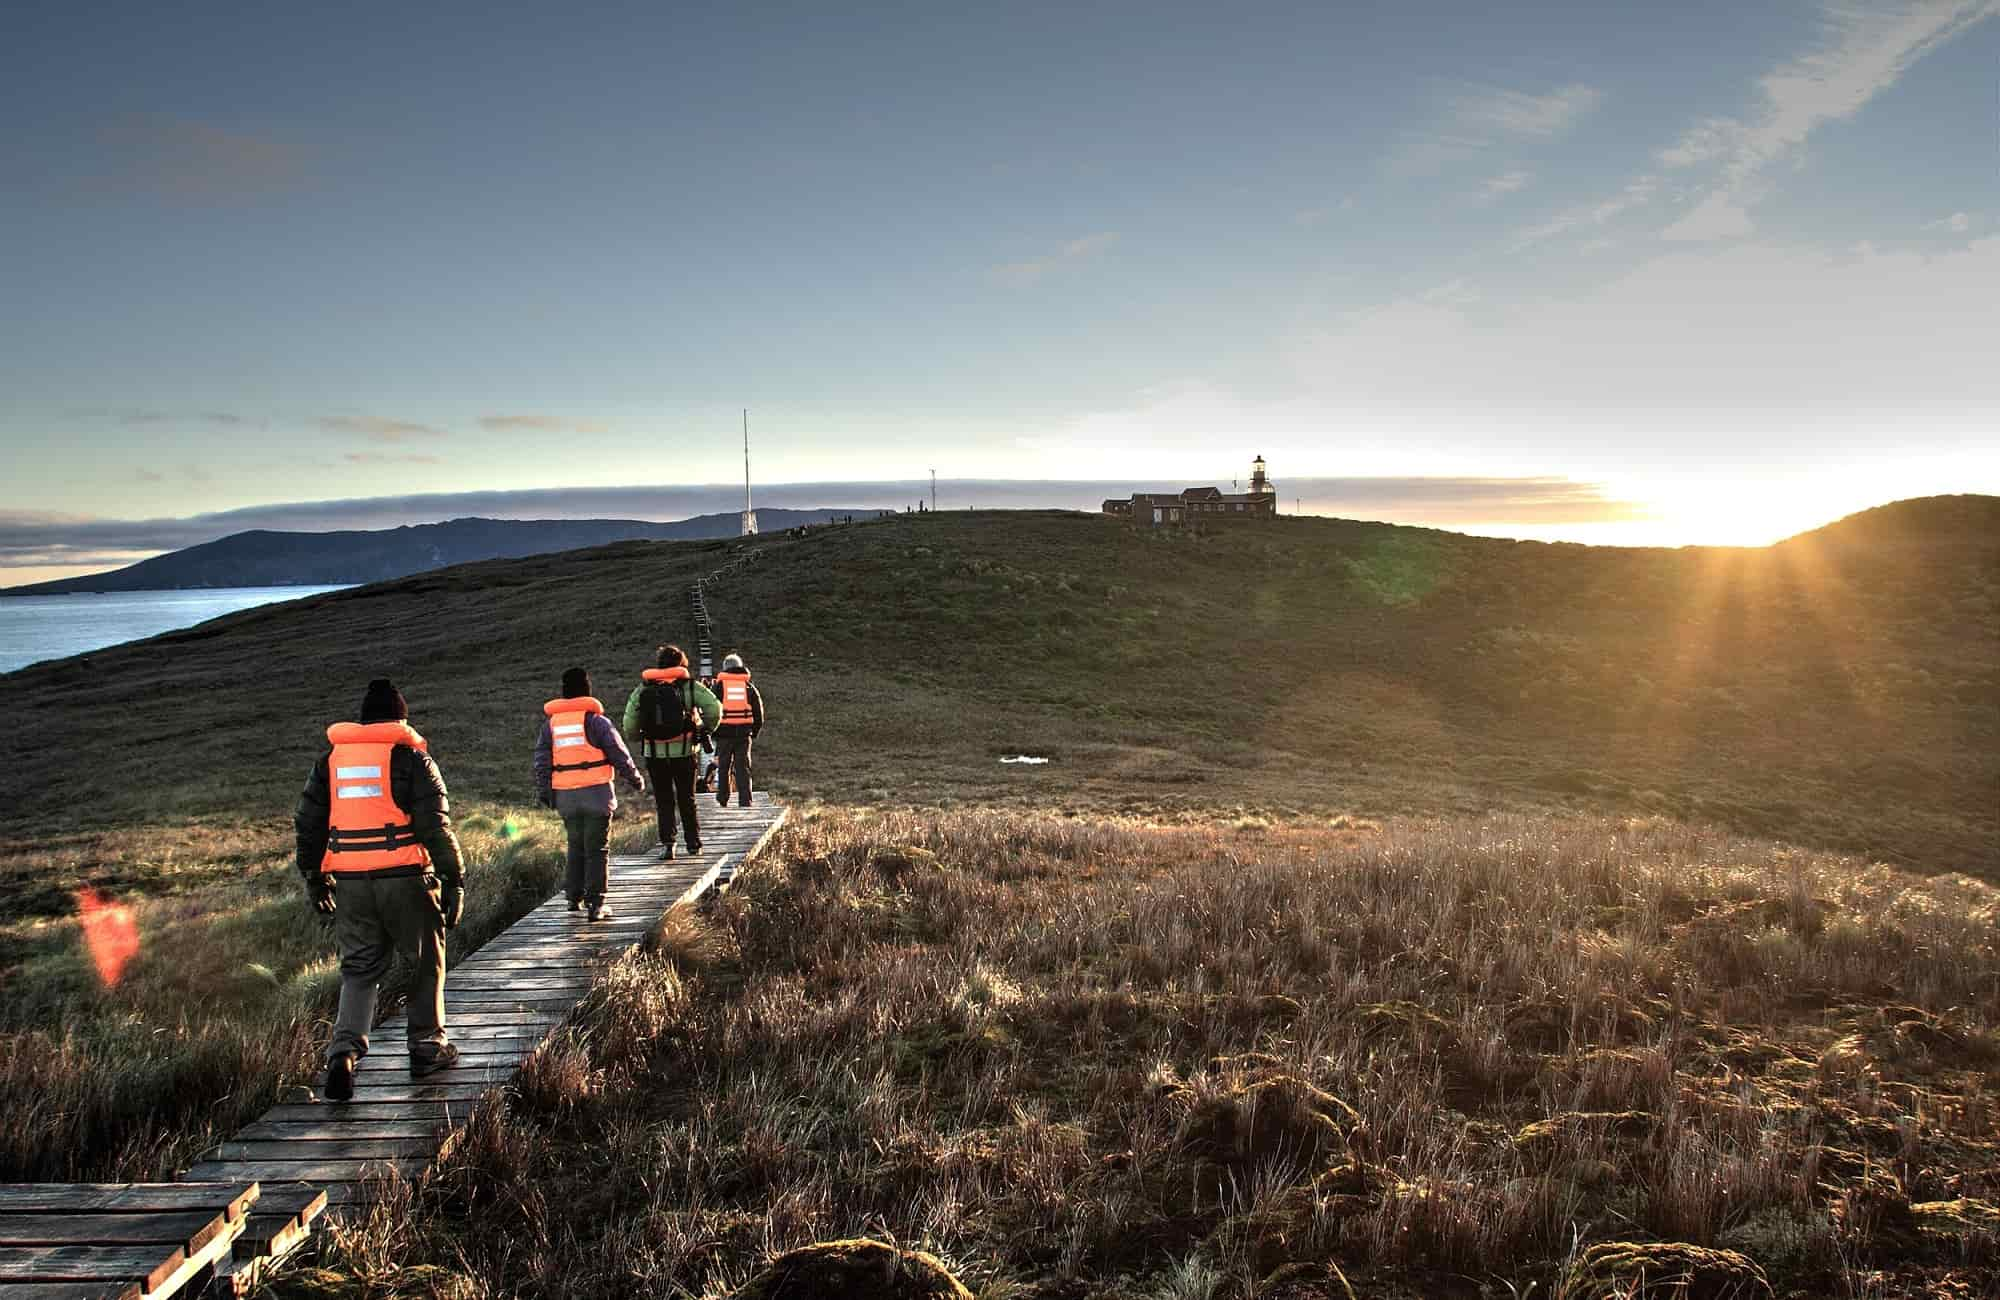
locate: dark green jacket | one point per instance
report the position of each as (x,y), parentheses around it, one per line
(704,700)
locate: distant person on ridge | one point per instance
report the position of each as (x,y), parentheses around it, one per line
(742,719)
(576,757)
(669,712)
(376,849)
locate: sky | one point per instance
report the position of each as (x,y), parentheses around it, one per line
(1651,274)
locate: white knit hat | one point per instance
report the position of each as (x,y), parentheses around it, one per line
(732,663)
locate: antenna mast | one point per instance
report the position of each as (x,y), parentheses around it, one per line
(749,515)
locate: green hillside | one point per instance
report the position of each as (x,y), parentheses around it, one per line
(1841,689)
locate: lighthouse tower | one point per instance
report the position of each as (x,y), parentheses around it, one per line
(1260,482)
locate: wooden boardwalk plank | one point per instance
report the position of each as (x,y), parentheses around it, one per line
(149,1266)
(69,1291)
(315,1171)
(190,1230)
(124,1198)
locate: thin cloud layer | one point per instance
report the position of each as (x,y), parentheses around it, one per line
(185,159)
(1033,269)
(377,428)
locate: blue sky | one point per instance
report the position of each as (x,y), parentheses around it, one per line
(1729,268)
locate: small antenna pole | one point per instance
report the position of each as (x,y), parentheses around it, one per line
(933,491)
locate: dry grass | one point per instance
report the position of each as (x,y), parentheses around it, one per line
(224,1004)
(1587,1058)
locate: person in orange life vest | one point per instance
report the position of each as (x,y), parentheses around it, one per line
(671,758)
(376,849)
(576,757)
(742,719)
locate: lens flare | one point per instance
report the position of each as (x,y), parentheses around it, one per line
(109,932)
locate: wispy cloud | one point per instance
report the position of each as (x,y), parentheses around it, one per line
(1862,50)
(1583,216)
(1481,117)
(181,158)
(1716,217)
(1032,269)
(384,458)
(1957,223)
(220,419)
(1499,187)
(1318,215)
(1491,109)
(540,423)
(378,428)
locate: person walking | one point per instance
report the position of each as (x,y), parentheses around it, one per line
(378,856)
(742,719)
(577,755)
(669,713)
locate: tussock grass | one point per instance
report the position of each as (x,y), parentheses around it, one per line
(1458,1057)
(225,1005)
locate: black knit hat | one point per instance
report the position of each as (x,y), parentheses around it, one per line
(576,683)
(383,702)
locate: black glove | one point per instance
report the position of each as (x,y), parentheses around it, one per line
(319,892)
(451,902)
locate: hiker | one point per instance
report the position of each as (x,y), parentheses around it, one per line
(671,713)
(742,719)
(704,759)
(376,849)
(576,757)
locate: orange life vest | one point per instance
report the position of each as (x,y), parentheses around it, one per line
(366,829)
(577,762)
(736,711)
(667,676)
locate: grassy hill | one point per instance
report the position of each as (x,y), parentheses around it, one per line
(1840,689)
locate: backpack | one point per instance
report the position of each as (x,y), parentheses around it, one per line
(667,713)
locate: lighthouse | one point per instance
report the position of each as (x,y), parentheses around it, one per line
(1260,483)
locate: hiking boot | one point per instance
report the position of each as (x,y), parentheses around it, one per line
(447,1056)
(601,912)
(666,853)
(694,846)
(744,802)
(340,1077)
(576,904)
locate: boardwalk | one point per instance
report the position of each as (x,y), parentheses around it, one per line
(500,1003)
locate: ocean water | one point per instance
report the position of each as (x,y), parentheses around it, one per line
(34,628)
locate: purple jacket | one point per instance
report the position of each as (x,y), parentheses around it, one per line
(599,799)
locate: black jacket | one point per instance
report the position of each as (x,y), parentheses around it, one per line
(418,789)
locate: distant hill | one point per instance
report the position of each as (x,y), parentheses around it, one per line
(264,558)
(1823,691)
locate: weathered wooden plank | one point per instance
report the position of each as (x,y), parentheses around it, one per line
(440,1110)
(464,1092)
(321,1150)
(477,1063)
(125,1198)
(70,1291)
(331,1171)
(336,1127)
(190,1230)
(149,1266)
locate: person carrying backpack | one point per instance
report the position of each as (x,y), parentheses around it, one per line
(576,757)
(379,859)
(742,719)
(669,713)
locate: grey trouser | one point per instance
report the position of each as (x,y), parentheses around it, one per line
(377,917)
(589,860)
(732,763)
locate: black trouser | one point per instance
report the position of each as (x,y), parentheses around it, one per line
(732,764)
(589,856)
(673,784)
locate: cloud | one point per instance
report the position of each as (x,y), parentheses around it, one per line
(540,423)
(378,428)
(1957,223)
(1500,186)
(221,419)
(1493,110)
(1862,50)
(1315,216)
(1033,269)
(1637,193)
(1716,217)
(379,458)
(185,159)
